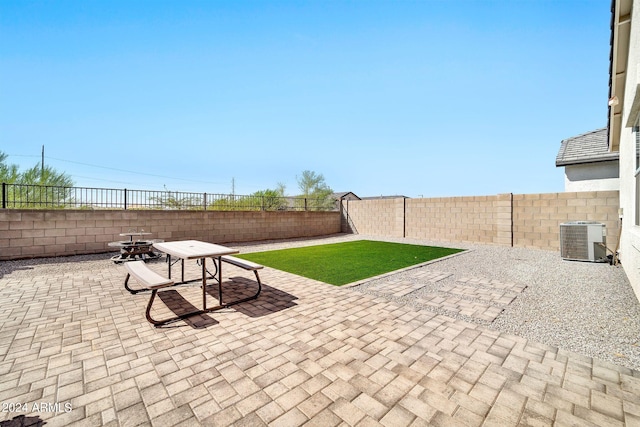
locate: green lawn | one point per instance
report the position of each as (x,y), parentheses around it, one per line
(342,263)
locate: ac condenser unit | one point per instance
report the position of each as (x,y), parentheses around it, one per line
(583,241)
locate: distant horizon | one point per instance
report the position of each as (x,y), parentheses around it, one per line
(431,98)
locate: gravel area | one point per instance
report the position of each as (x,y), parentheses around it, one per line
(65,265)
(588,308)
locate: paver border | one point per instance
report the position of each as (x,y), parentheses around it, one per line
(402,270)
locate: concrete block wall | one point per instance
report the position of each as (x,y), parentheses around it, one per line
(524,220)
(503,212)
(376,217)
(466,219)
(42,233)
(537,217)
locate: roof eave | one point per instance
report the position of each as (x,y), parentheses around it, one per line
(612,158)
(620,35)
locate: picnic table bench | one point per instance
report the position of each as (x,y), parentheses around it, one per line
(150,281)
(247,265)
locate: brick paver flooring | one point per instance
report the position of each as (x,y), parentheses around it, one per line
(75,349)
(478,300)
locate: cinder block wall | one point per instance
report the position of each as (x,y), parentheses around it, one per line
(41,233)
(537,217)
(470,219)
(379,217)
(525,220)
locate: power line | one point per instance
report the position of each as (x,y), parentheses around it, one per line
(133,172)
(102,179)
(118,170)
(125,171)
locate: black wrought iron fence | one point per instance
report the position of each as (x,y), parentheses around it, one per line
(23,196)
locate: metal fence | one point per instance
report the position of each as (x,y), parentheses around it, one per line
(23,196)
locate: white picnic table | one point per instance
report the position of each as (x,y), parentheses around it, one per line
(195,249)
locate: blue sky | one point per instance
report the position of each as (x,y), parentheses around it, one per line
(420,98)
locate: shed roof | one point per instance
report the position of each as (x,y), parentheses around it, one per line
(590,147)
(397,196)
(343,195)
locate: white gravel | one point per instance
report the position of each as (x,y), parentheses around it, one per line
(588,308)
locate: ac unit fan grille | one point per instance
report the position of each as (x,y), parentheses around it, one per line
(574,242)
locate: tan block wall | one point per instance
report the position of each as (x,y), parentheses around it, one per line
(461,219)
(525,220)
(41,233)
(378,217)
(537,217)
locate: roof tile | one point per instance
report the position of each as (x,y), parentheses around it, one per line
(590,147)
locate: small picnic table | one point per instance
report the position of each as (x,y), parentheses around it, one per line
(134,249)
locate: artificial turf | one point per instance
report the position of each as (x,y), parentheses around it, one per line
(348,262)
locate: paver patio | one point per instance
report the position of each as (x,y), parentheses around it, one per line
(75,349)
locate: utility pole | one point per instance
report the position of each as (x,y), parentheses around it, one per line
(233,186)
(42,166)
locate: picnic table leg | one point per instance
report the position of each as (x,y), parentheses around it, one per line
(204,285)
(157,323)
(126,286)
(219,265)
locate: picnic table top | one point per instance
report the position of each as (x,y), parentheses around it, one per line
(193,249)
(136,233)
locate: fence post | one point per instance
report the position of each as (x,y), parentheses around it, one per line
(125,199)
(4,195)
(305,203)
(205,201)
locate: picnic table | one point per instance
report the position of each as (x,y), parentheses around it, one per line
(135,249)
(189,250)
(195,249)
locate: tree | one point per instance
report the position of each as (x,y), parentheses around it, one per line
(36,187)
(314,189)
(8,173)
(37,175)
(269,200)
(45,176)
(272,200)
(175,200)
(312,184)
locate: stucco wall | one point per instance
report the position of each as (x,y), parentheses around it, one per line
(602,176)
(40,233)
(629,193)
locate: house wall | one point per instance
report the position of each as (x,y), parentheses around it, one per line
(629,191)
(41,233)
(603,176)
(524,220)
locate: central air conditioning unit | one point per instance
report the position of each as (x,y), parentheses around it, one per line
(583,241)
